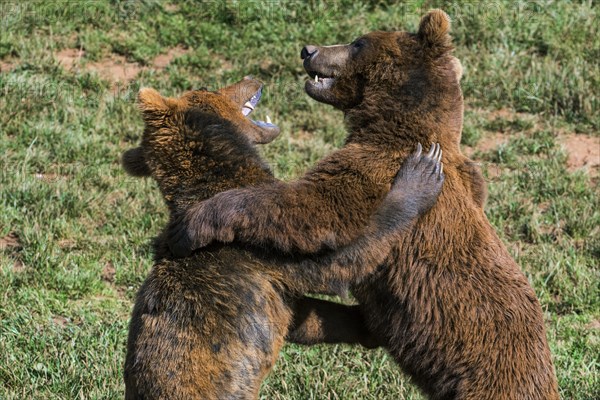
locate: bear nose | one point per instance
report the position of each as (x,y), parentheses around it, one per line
(308,51)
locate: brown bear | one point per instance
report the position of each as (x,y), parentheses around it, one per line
(449,302)
(210,326)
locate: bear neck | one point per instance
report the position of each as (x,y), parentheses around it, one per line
(397,119)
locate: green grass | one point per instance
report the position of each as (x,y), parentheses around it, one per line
(83,227)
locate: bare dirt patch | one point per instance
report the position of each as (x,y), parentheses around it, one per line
(503,113)
(18,266)
(301,137)
(492,141)
(10,242)
(114,68)
(67,244)
(467,150)
(7,65)
(163,60)
(489,141)
(583,152)
(594,325)
(108,272)
(69,58)
(50,177)
(171,8)
(60,321)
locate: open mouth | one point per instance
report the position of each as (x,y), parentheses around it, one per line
(249,107)
(320,81)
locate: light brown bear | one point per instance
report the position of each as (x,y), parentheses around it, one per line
(210,326)
(449,302)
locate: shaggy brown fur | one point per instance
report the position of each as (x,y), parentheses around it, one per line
(210,326)
(451,305)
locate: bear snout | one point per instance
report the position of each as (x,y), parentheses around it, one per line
(308,51)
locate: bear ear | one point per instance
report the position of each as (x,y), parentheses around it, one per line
(434,31)
(152,104)
(134,163)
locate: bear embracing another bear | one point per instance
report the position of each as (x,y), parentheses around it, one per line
(449,302)
(210,326)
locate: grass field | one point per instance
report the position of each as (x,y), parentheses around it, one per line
(75,231)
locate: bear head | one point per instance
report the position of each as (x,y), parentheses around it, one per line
(401,74)
(201,143)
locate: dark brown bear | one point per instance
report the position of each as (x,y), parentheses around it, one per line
(210,326)
(450,303)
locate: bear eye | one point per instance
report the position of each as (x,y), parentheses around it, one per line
(357,44)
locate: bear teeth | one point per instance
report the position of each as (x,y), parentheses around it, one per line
(316,78)
(268,120)
(249,105)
